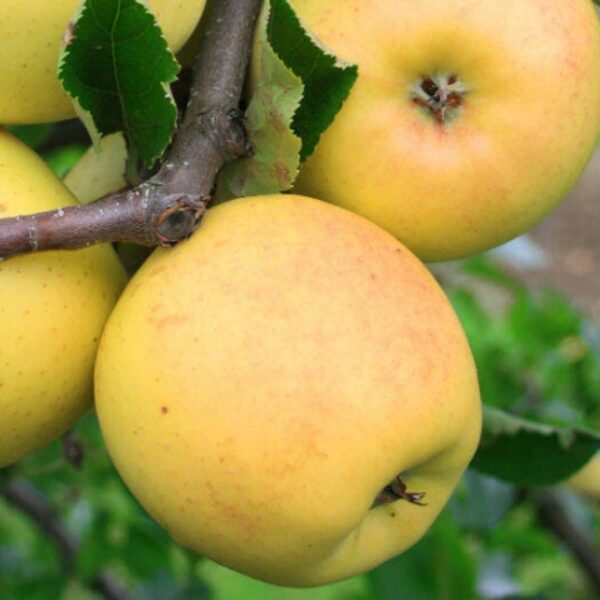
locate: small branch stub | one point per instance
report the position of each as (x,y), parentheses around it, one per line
(227,132)
(180,220)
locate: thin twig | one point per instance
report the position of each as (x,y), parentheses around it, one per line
(169,206)
(554,518)
(29,501)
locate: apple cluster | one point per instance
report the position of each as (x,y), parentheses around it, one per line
(289,391)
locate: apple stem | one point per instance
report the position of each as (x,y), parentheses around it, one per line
(397,490)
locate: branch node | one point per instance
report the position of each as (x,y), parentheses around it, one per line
(226,131)
(180,220)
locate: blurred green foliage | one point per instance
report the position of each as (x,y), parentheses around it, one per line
(539,357)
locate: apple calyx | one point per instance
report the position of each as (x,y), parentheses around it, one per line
(441,95)
(396,490)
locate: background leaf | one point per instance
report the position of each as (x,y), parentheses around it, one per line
(529,453)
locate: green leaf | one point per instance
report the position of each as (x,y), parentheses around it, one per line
(529,453)
(298,88)
(274,165)
(327,82)
(117,67)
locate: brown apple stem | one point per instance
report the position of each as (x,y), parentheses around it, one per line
(396,490)
(28,500)
(168,206)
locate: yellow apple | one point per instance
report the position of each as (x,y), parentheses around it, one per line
(260,385)
(30,43)
(53,307)
(587,480)
(469,121)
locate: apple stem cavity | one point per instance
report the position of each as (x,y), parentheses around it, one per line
(397,490)
(441,96)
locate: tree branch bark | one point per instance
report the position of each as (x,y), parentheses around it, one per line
(169,206)
(553,517)
(29,501)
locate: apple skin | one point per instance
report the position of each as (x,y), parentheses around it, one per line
(526,129)
(30,43)
(587,480)
(53,306)
(259,384)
